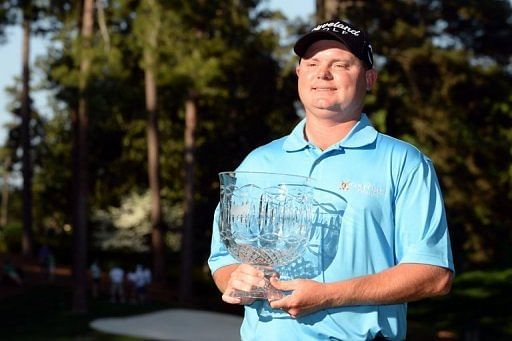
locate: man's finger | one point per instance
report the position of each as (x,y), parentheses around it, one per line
(247,284)
(250,270)
(230,299)
(282,285)
(281,303)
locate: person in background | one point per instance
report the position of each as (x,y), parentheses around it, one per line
(147,279)
(43,258)
(116,275)
(95,271)
(52,265)
(141,279)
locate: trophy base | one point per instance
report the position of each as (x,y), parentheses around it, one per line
(267,292)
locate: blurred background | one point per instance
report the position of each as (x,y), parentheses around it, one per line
(117,116)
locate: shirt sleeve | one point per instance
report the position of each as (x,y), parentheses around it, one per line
(219,255)
(421,227)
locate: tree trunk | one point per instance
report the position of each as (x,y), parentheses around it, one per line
(187,251)
(5,192)
(27,240)
(326,10)
(334,9)
(157,232)
(81,169)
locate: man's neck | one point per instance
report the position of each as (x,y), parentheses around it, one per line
(325,133)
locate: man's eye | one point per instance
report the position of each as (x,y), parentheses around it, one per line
(311,64)
(341,66)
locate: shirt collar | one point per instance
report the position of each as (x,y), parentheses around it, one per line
(361,134)
(296,140)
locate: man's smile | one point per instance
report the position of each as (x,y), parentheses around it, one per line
(324,88)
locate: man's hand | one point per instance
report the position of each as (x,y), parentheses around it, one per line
(308,296)
(244,277)
(405,282)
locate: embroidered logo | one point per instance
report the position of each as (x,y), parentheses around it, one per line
(363,188)
(345,185)
(336,27)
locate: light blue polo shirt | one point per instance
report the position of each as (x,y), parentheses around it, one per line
(377,204)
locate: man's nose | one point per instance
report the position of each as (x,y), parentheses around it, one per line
(324,73)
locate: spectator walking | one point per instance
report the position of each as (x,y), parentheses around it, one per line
(117,284)
(47,262)
(42,258)
(141,279)
(95,278)
(51,266)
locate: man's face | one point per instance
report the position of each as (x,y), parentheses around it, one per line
(332,82)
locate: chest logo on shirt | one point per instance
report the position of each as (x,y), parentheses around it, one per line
(345,185)
(363,188)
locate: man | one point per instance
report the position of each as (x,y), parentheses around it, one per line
(116,275)
(96,278)
(380,232)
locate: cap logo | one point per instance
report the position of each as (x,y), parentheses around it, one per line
(337,27)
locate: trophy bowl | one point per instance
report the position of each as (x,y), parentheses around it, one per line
(265,221)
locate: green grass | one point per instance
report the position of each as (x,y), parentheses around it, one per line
(44,313)
(479,304)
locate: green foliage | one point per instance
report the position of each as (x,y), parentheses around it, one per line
(7,17)
(444,85)
(10,237)
(227,64)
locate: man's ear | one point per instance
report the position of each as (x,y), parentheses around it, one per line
(371,78)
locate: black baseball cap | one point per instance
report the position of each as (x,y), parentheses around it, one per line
(355,39)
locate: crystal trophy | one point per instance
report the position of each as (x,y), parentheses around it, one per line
(265,221)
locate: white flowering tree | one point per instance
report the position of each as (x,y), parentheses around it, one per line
(128,227)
